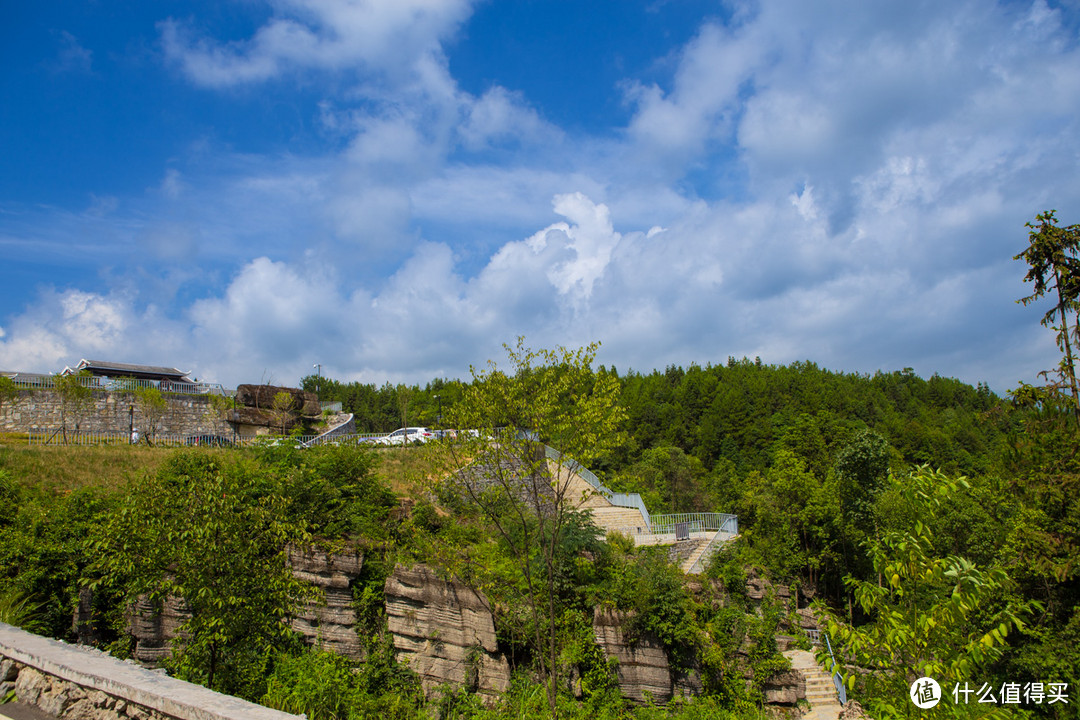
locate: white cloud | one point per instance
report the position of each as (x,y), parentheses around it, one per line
(384,36)
(844,183)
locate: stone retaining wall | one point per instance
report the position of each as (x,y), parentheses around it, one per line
(75,683)
(109,412)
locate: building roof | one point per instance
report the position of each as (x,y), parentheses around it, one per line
(115,369)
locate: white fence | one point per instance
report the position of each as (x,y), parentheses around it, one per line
(696,522)
(41,382)
(54,436)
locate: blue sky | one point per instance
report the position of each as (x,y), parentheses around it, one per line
(394,188)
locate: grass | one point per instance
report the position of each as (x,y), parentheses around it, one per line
(64,469)
(407,469)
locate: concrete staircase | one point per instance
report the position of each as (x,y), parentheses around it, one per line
(820,691)
(612,517)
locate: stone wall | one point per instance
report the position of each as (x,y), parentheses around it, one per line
(109,412)
(75,683)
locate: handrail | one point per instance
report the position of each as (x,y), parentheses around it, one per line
(627,500)
(697,522)
(837,678)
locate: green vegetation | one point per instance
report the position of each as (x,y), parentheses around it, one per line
(935,525)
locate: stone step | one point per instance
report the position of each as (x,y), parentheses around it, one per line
(823,712)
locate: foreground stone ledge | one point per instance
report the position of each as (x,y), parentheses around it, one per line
(72,682)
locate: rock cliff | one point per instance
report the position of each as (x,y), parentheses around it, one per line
(445,631)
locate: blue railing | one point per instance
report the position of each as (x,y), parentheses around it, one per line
(696,522)
(837,678)
(628,500)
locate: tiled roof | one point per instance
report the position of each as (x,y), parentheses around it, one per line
(128,368)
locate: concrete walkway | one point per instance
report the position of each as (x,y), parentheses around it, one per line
(19,711)
(820,691)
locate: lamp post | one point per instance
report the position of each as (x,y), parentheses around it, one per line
(318,376)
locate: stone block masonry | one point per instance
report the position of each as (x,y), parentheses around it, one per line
(74,683)
(109,412)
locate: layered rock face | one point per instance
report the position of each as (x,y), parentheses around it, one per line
(154,629)
(263,397)
(445,631)
(329,622)
(644,670)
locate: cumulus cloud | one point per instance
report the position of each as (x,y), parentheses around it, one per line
(380,35)
(841,183)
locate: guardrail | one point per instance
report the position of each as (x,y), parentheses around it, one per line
(44,382)
(837,678)
(628,500)
(55,436)
(696,522)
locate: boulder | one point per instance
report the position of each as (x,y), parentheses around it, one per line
(262,397)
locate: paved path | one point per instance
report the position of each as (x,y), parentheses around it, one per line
(20,711)
(820,691)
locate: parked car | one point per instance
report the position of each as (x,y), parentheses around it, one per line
(407,435)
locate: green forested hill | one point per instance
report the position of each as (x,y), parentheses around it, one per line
(742,412)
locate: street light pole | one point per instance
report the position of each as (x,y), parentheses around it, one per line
(318,376)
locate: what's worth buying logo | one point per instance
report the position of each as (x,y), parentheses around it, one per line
(925,693)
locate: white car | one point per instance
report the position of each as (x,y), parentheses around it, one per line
(406,436)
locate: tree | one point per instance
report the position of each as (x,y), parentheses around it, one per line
(75,397)
(548,399)
(935,616)
(1054,259)
(282,408)
(403,394)
(152,408)
(202,532)
(9,392)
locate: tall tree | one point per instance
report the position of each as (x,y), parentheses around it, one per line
(548,398)
(152,408)
(1053,254)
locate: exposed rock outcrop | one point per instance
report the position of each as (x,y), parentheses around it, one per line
(263,397)
(445,631)
(154,628)
(329,621)
(258,406)
(643,669)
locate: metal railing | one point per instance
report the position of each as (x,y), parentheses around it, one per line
(837,678)
(94,382)
(627,500)
(697,522)
(57,436)
(631,500)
